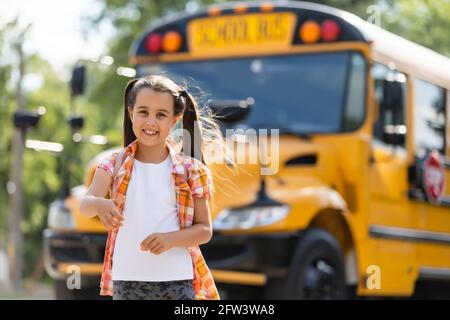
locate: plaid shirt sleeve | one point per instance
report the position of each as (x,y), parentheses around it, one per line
(108,163)
(200,182)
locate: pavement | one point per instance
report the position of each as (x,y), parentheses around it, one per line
(40,291)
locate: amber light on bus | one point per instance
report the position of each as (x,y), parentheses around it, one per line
(240,9)
(311,32)
(267,7)
(171,41)
(214,11)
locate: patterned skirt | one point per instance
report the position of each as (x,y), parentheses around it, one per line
(146,290)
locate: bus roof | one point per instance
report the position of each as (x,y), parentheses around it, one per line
(407,56)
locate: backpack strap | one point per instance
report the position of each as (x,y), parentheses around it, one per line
(117,165)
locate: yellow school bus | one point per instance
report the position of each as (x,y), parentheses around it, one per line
(353,201)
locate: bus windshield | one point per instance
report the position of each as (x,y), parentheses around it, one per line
(305,92)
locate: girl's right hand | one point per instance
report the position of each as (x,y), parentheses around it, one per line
(108,213)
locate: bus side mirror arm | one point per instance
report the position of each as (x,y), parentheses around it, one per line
(375,108)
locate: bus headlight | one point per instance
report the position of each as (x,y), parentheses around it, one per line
(59,217)
(246,218)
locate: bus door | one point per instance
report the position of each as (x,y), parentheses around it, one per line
(430,185)
(389,212)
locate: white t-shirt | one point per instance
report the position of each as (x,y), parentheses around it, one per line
(150,207)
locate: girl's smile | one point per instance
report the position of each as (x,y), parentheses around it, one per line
(151,134)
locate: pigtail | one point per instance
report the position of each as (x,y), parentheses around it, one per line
(192,139)
(128,134)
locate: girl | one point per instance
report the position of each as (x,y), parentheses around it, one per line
(158,213)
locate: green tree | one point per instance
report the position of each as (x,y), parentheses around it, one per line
(6,106)
(42,171)
(423,21)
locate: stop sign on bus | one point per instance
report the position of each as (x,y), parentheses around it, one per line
(433,177)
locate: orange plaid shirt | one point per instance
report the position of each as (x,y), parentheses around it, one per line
(192,179)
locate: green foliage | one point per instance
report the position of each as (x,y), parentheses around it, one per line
(423,21)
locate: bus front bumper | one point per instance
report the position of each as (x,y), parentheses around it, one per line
(249,260)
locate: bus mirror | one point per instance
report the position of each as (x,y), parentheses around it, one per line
(393,94)
(231,110)
(394,134)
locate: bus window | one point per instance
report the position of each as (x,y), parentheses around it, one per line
(386,117)
(429,117)
(354,107)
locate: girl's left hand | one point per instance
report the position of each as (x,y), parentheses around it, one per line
(157,243)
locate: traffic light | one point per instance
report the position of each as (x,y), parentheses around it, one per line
(77,83)
(24,119)
(76,122)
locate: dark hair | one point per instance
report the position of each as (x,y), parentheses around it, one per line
(184,104)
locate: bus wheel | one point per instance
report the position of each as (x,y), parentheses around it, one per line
(317,271)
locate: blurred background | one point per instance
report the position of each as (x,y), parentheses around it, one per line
(41,42)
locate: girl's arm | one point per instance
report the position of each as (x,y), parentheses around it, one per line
(97,190)
(94,202)
(200,232)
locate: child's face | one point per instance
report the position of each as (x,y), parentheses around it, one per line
(153,116)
